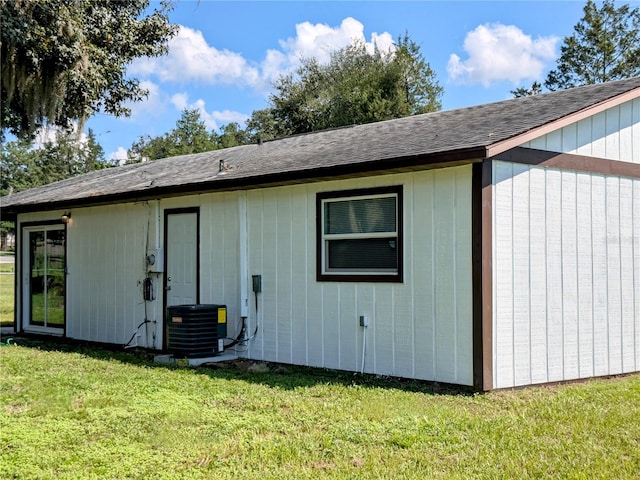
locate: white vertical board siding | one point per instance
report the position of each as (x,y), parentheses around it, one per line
(421,328)
(106,249)
(636,266)
(219,255)
(106,257)
(613,134)
(565,269)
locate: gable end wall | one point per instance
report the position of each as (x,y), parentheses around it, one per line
(566,254)
(613,134)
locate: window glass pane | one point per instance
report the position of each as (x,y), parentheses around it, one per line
(47,278)
(55,250)
(368,215)
(55,299)
(55,278)
(37,277)
(374,253)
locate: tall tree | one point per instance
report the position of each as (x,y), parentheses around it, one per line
(354,87)
(190,135)
(64,60)
(605,46)
(69,156)
(232,135)
(18,165)
(262,125)
(24,166)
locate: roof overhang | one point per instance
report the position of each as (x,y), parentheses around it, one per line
(501,147)
(338,172)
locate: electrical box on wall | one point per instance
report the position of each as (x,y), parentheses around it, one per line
(155,260)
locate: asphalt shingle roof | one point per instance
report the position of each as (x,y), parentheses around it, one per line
(471,129)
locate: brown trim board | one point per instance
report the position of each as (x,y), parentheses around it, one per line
(177,211)
(482,244)
(569,161)
(482,275)
(398,277)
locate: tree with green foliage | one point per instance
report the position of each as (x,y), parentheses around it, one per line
(354,87)
(262,125)
(535,89)
(605,46)
(190,135)
(25,166)
(64,60)
(68,156)
(231,135)
(150,148)
(18,162)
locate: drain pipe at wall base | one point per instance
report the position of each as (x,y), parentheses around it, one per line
(153,268)
(157,272)
(243,268)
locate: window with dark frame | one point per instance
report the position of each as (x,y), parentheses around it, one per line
(359,235)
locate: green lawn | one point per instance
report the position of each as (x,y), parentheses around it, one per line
(78,413)
(7,287)
(6,293)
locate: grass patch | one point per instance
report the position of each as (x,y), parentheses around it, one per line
(6,293)
(87,413)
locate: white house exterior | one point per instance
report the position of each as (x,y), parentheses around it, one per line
(491,247)
(566,254)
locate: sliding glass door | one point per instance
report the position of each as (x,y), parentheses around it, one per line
(44,277)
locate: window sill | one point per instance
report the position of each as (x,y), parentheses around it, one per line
(357,277)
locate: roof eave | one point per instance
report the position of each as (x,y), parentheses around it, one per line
(509,143)
(376,167)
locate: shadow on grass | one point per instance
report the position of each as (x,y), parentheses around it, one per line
(277,375)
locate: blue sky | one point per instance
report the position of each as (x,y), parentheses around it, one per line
(227,53)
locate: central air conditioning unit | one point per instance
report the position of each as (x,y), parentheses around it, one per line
(196,330)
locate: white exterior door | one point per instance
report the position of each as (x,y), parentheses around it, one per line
(181,280)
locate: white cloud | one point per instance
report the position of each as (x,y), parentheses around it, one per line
(228,116)
(120,155)
(180,100)
(214,119)
(318,41)
(48,134)
(499,52)
(384,42)
(190,58)
(153,105)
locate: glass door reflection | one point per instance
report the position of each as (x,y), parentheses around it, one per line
(47,277)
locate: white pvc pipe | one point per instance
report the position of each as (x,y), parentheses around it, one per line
(243,254)
(157,224)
